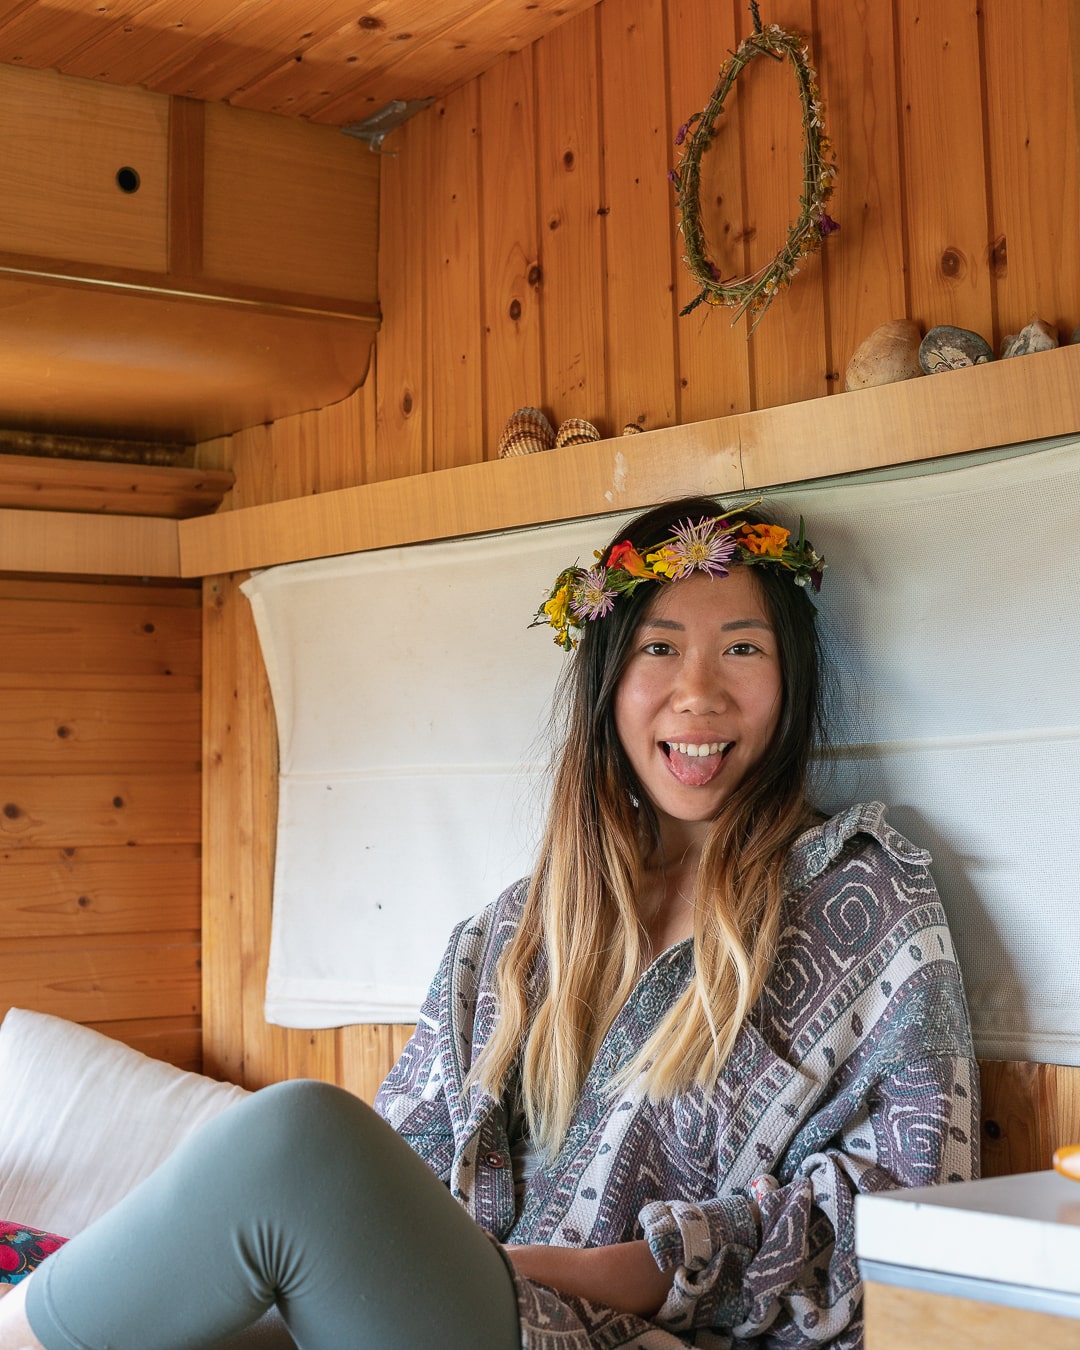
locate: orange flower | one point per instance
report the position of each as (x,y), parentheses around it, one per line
(767,541)
(626,556)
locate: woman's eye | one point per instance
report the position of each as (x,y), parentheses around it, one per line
(657,648)
(743,649)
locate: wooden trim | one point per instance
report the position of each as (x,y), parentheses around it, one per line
(55,541)
(1007,402)
(187,121)
(899,1318)
(53,271)
(36,483)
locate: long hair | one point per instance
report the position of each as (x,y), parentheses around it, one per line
(581,946)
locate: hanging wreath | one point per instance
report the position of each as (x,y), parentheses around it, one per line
(754,293)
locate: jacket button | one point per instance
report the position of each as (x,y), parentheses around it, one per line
(495,1160)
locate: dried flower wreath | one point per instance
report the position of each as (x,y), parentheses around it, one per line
(755,292)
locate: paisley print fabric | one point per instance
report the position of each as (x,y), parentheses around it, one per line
(855,1073)
(23,1249)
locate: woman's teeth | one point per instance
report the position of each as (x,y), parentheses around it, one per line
(697,751)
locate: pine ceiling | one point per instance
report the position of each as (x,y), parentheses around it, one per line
(332,61)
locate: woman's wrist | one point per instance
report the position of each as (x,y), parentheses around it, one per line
(623,1276)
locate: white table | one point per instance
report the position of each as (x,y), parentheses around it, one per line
(983,1263)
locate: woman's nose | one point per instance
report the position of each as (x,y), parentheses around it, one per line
(700,688)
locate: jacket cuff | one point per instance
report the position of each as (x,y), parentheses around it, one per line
(708,1246)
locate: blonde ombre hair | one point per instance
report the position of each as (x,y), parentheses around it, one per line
(581,946)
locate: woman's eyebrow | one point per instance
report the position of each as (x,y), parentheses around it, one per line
(746,623)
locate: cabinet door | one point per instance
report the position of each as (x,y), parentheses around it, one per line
(288,206)
(83,170)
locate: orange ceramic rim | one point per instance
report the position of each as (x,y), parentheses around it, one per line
(1067,1161)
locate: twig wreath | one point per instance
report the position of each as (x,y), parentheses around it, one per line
(754,293)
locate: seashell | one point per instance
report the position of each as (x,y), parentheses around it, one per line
(576,431)
(949,348)
(889,354)
(527,432)
(1037,336)
(632,429)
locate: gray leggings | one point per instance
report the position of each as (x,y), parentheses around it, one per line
(300,1197)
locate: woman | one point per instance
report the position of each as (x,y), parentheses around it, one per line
(657,1073)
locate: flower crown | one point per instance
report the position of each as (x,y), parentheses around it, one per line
(582,595)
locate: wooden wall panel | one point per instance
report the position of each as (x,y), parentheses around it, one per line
(944,158)
(789,360)
(540,183)
(713,354)
(865,275)
(510,262)
(1033,165)
(455,286)
(100,747)
(571,226)
(403,398)
(640,353)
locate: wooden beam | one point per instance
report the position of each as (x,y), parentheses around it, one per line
(1006,402)
(87,545)
(34,482)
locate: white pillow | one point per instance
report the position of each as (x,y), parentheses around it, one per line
(83,1119)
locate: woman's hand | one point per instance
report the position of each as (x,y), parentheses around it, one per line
(624,1276)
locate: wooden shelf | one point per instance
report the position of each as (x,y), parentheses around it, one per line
(29,482)
(1007,403)
(1004,403)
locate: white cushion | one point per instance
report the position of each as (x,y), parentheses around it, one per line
(83,1119)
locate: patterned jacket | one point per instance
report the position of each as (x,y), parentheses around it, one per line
(855,1073)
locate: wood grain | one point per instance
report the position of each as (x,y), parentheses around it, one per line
(454,287)
(901,1319)
(31,482)
(64,142)
(571,231)
(403,398)
(937,415)
(80,729)
(942,143)
(289,205)
(864,273)
(1028,1111)
(510,260)
(91,545)
(1034,180)
(713,356)
(637,218)
(40,636)
(789,359)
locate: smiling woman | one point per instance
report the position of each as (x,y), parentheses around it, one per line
(657,1072)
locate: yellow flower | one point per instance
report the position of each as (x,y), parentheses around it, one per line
(768,541)
(556,608)
(663,562)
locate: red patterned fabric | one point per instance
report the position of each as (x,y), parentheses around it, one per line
(23,1249)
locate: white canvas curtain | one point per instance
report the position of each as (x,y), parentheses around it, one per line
(411,705)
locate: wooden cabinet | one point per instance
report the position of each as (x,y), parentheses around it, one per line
(83,171)
(176,271)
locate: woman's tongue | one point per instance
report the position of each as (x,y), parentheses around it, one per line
(693,770)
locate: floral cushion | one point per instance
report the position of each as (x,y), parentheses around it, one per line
(22,1249)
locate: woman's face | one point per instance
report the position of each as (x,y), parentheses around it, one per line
(700,697)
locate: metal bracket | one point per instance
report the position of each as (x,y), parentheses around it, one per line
(379,125)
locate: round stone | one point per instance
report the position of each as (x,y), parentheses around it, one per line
(1037,336)
(890,353)
(949,348)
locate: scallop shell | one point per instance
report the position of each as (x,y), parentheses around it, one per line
(632,429)
(576,431)
(527,432)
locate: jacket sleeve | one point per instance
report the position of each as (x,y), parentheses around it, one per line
(413,1097)
(788,1271)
